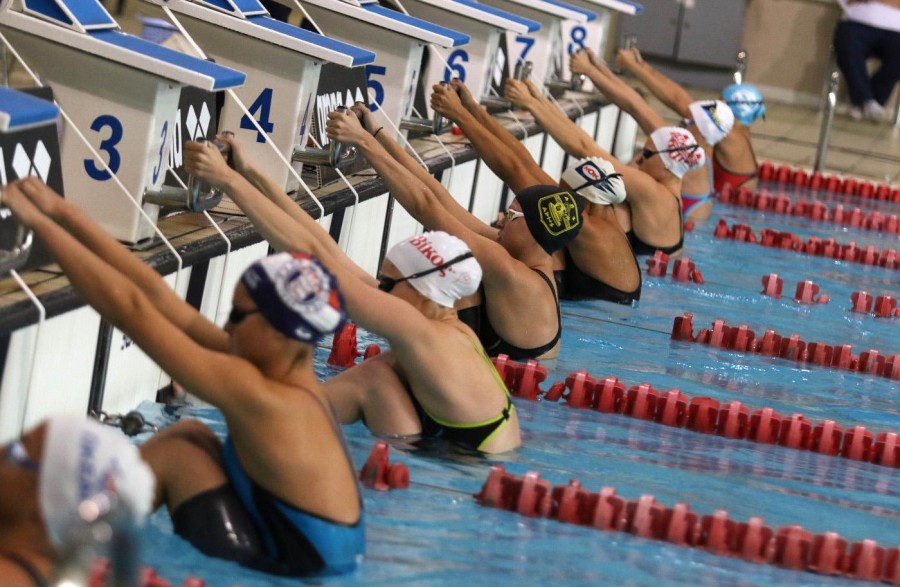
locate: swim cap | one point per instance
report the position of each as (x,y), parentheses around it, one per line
(746,102)
(553,215)
(713,118)
(595,179)
(81,458)
(431,250)
(296,295)
(678,149)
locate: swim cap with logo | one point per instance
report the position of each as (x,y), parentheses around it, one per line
(746,102)
(595,179)
(297,295)
(553,215)
(82,458)
(432,250)
(713,118)
(678,149)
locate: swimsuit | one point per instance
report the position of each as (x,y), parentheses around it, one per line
(477,319)
(296,542)
(721,176)
(690,201)
(575,284)
(23,564)
(642,248)
(472,436)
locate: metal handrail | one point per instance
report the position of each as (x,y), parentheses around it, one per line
(827,118)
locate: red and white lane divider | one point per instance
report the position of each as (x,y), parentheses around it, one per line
(764,200)
(849,186)
(791,547)
(742,339)
(788,241)
(702,414)
(99,576)
(683,269)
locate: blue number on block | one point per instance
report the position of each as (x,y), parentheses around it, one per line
(375,84)
(108,145)
(455,66)
(162,144)
(527,44)
(578,35)
(263,106)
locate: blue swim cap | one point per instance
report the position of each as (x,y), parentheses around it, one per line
(297,295)
(745,101)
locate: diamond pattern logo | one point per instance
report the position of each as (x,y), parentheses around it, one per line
(197,125)
(26,166)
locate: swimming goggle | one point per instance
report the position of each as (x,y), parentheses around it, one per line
(647,153)
(236,316)
(17,455)
(386,284)
(513,214)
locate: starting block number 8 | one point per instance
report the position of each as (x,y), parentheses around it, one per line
(578,36)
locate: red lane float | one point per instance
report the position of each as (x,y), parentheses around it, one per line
(742,339)
(683,270)
(379,474)
(100,575)
(870,255)
(343,347)
(791,547)
(849,186)
(780,203)
(708,416)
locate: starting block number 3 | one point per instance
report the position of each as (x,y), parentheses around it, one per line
(109,124)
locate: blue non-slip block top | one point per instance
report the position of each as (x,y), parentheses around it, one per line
(532,25)
(360,56)
(18,110)
(639,8)
(457,37)
(88,13)
(245,7)
(590,15)
(223,77)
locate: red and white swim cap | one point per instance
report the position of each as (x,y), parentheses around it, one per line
(432,250)
(678,149)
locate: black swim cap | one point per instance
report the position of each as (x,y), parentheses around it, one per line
(553,215)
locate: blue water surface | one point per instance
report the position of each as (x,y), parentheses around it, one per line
(434,533)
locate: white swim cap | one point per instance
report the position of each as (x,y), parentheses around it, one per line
(82,458)
(678,149)
(714,118)
(432,252)
(595,179)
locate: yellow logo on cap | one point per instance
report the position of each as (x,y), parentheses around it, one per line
(559,213)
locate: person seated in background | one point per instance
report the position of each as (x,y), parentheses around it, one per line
(598,263)
(281,495)
(710,121)
(870,28)
(651,214)
(515,257)
(436,379)
(45,475)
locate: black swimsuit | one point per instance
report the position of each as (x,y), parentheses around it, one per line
(23,564)
(477,319)
(642,248)
(575,284)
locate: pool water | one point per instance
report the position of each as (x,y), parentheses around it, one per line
(434,533)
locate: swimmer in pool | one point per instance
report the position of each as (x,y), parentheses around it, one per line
(436,379)
(515,256)
(651,214)
(45,475)
(281,494)
(598,263)
(733,160)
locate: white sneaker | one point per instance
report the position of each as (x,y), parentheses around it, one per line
(855,113)
(873,110)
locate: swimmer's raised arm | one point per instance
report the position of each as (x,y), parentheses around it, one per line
(498,148)
(277,218)
(221,379)
(619,93)
(94,238)
(423,196)
(665,89)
